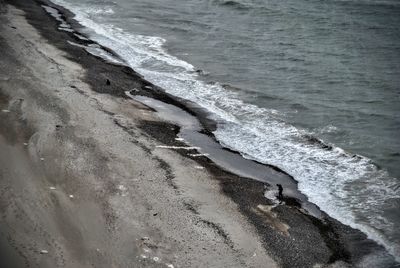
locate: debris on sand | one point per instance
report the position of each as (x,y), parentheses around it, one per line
(156,259)
(169,265)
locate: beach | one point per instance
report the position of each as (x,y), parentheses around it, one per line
(90,176)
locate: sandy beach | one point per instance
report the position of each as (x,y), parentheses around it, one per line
(92,178)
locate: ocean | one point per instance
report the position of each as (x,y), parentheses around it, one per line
(309,86)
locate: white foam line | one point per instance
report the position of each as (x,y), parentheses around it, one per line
(75,44)
(198,155)
(177,147)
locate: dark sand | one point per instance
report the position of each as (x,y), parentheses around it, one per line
(120,199)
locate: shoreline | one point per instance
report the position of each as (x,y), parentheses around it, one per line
(147,89)
(247,194)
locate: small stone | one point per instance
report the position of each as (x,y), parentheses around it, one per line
(156,258)
(121,187)
(148,87)
(143,256)
(43,251)
(41,159)
(52,188)
(169,265)
(155,214)
(5,111)
(108,82)
(71,196)
(25,143)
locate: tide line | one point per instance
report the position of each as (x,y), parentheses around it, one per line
(177,147)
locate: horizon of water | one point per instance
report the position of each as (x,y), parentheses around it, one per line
(311,87)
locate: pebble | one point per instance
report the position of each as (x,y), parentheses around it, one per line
(5,111)
(169,265)
(52,188)
(121,187)
(41,159)
(71,196)
(43,251)
(25,143)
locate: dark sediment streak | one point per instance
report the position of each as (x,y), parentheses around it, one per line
(311,240)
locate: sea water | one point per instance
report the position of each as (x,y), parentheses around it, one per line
(310,86)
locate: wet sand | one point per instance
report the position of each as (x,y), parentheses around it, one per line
(92,177)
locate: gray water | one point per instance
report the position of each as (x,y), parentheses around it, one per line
(312,87)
